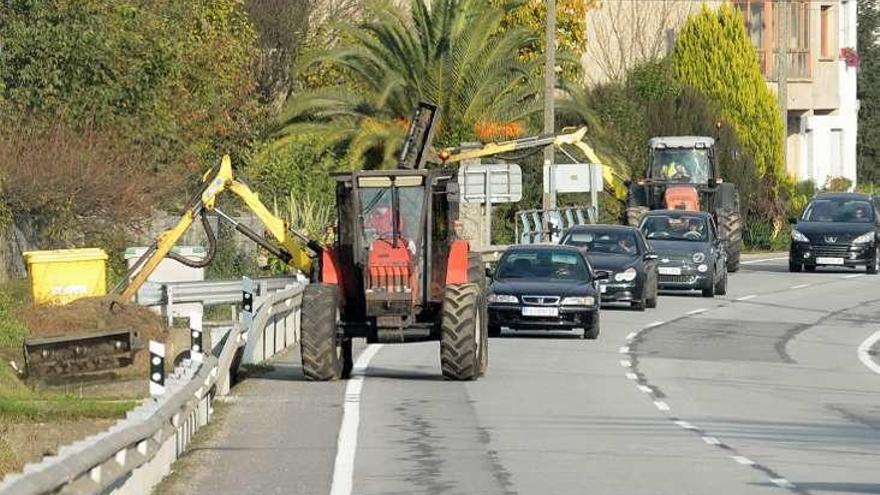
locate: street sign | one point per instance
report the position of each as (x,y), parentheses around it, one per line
(574,178)
(501,182)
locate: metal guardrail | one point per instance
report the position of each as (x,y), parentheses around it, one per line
(137,452)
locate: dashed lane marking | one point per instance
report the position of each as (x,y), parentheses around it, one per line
(799,286)
(346,443)
(624,349)
(626,363)
(745,461)
(864,352)
(632,335)
(661,405)
(854,275)
(746,298)
(782,483)
(711,440)
(631,376)
(685,425)
(697,311)
(645,389)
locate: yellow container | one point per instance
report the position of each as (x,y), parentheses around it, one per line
(64,275)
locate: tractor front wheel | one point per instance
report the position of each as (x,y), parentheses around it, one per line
(321,357)
(463,333)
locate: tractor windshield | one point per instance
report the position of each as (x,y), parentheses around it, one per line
(681,165)
(377,211)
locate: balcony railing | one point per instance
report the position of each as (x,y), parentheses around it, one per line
(798,64)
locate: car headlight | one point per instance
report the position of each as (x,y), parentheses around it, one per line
(579,301)
(864,238)
(627,275)
(502,298)
(797,236)
(699,257)
(702,268)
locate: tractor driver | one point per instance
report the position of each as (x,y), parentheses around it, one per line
(381,220)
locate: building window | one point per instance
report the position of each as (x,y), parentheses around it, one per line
(799,39)
(762,19)
(826,33)
(754,13)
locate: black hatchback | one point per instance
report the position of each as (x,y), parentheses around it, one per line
(836,229)
(621,251)
(544,287)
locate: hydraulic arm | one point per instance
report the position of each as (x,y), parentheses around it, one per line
(290,246)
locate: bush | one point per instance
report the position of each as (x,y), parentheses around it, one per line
(714,55)
(837,184)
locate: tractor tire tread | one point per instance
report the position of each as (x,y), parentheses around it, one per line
(320,361)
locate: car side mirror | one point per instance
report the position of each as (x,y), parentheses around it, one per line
(792,220)
(602,275)
(490,272)
(651,256)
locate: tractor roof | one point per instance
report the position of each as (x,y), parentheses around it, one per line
(680,142)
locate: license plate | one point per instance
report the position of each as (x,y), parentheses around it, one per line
(669,270)
(531,311)
(829,261)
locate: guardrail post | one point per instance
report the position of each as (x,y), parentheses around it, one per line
(169,304)
(157,368)
(196,348)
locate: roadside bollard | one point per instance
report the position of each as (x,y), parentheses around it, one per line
(157,368)
(196,348)
(247,302)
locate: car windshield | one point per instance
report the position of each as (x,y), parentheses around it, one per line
(543,264)
(684,165)
(608,241)
(678,228)
(378,214)
(839,210)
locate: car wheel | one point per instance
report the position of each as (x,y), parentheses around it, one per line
(592,333)
(710,290)
(874,264)
(794,267)
(810,268)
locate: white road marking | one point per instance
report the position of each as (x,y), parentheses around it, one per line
(661,405)
(685,425)
(745,461)
(799,286)
(626,363)
(864,348)
(624,349)
(632,376)
(645,389)
(346,444)
(746,298)
(854,275)
(782,483)
(697,311)
(655,324)
(711,440)
(632,335)
(755,262)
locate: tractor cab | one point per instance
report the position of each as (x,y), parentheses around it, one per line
(681,168)
(392,227)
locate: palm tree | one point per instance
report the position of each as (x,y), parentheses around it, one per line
(453,53)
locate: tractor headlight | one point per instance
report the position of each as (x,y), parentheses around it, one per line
(579,301)
(864,238)
(503,298)
(627,275)
(699,257)
(798,237)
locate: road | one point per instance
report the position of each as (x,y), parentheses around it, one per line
(762,391)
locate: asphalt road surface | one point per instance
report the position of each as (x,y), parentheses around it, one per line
(773,388)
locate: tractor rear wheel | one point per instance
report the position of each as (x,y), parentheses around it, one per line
(321,360)
(463,333)
(730,228)
(634,215)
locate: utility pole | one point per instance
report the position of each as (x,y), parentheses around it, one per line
(782,17)
(549,96)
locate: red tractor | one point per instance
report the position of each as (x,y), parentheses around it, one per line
(396,272)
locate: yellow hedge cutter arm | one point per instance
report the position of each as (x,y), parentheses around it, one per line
(292,247)
(612,179)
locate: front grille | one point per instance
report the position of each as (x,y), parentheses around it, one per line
(541,300)
(677,279)
(825,250)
